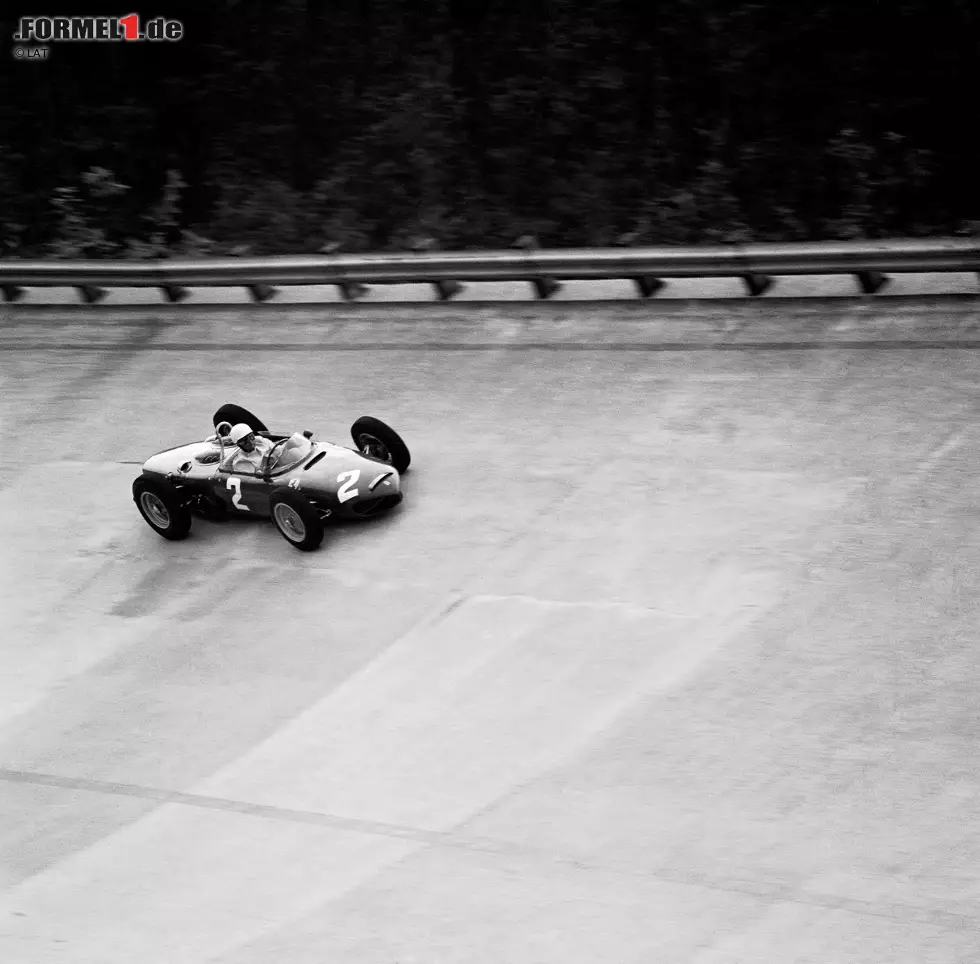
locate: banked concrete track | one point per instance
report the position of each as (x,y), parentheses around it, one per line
(669,656)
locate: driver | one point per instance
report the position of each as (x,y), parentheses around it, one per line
(252,449)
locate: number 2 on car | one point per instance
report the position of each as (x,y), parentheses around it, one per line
(346,491)
(236,484)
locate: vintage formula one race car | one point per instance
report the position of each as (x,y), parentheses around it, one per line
(299,483)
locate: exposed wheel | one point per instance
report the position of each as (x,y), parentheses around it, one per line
(161,507)
(377,440)
(236,414)
(296,519)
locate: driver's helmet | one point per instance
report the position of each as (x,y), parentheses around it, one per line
(240,431)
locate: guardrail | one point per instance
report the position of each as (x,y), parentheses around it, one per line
(870,262)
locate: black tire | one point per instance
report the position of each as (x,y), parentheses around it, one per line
(300,525)
(236,414)
(161,507)
(375,429)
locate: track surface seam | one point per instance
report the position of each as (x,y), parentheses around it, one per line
(501,848)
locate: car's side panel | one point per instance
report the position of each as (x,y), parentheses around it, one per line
(184,462)
(244,493)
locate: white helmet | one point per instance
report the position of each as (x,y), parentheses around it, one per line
(239,432)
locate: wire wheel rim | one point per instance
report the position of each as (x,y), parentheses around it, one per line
(373,446)
(155,510)
(289,522)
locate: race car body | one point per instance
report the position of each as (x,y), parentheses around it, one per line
(331,476)
(299,483)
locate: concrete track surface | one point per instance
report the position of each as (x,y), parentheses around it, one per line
(669,655)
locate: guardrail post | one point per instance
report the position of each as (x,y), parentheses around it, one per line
(544,286)
(261,292)
(757,284)
(91,294)
(872,282)
(646,284)
(445,290)
(12,293)
(349,290)
(174,293)
(352,290)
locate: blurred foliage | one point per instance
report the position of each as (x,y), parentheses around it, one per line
(292,125)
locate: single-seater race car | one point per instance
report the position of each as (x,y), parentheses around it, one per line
(299,484)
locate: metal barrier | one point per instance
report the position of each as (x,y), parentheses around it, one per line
(870,262)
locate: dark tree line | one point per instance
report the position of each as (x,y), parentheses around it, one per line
(287,125)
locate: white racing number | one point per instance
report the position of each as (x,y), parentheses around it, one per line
(346,491)
(236,484)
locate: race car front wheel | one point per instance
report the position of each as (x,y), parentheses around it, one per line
(297,520)
(160,506)
(379,441)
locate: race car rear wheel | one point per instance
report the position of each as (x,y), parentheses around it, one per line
(235,414)
(161,507)
(297,520)
(379,441)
